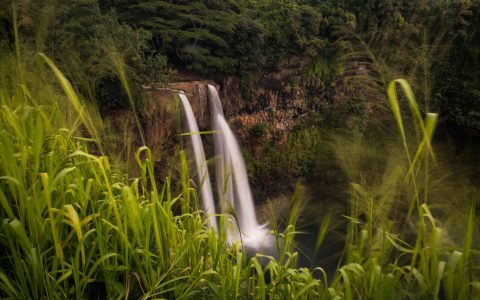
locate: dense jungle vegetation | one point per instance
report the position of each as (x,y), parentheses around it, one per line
(387,146)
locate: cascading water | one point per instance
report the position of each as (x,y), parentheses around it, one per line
(232,181)
(231,170)
(223,165)
(206,195)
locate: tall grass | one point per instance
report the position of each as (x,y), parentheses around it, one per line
(73,226)
(395,245)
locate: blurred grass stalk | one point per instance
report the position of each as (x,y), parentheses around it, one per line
(380,261)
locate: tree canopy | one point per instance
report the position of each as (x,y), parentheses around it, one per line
(435,44)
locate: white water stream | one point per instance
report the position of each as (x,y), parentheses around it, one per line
(232,181)
(206,195)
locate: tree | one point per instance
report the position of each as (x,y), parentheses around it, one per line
(290,29)
(92,45)
(198,34)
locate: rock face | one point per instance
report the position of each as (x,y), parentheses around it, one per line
(274,111)
(160,120)
(268,117)
(274,108)
(276,125)
(162,99)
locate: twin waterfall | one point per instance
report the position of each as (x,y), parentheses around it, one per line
(234,194)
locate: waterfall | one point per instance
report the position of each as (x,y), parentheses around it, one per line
(206,195)
(223,165)
(232,181)
(234,191)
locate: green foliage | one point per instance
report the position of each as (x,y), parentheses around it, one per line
(258,130)
(87,35)
(459,94)
(89,45)
(322,70)
(426,257)
(291,29)
(110,94)
(278,166)
(432,46)
(208,36)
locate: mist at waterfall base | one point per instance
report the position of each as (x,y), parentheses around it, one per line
(233,189)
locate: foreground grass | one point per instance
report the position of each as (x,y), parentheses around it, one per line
(73,226)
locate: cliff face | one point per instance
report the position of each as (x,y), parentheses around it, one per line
(162,100)
(160,117)
(271,111)
(275,106)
